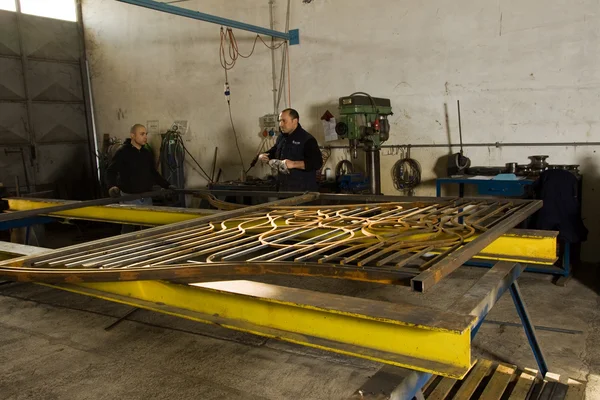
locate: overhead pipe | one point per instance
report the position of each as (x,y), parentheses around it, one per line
(496,144)
(292,36)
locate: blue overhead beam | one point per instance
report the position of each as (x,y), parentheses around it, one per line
(292,37)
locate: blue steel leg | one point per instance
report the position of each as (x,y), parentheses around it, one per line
(438,188)
(529,328)
(476,327)
(27,230)
(410,386)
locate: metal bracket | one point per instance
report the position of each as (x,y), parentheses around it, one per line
(292,37)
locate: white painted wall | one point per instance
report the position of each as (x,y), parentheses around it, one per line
(524,71)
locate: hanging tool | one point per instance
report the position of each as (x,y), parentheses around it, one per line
(458,163)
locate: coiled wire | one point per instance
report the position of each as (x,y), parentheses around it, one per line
(406,173)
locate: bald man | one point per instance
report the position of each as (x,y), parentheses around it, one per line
(131,170)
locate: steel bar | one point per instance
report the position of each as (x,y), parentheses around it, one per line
(165,241)
(431,276)
(484,294)
(121,319)
(170,250)
(515,292)
(356,198)
(413,258)
(537,327)
(117,249)
(195,272)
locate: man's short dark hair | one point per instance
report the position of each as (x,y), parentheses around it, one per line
(134,127)
(293,113)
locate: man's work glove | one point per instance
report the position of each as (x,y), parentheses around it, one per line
(279,166)
(114,192)
(172,187)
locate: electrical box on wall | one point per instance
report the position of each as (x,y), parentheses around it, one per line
(269,124)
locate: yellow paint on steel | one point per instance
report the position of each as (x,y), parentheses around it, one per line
(529,243)
(432,349)
(118,213)
(520,245)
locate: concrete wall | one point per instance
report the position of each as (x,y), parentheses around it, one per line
(524,71)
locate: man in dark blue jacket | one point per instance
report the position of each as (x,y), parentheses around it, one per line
(295,154)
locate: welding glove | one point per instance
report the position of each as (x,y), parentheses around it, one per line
(279,166)
(114,192)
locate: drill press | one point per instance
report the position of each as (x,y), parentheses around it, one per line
(364,122)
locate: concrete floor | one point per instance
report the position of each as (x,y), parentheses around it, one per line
(53,344)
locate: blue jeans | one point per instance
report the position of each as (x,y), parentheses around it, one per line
(144,201)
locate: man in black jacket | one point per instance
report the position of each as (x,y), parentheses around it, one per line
(295,154)
(131,170)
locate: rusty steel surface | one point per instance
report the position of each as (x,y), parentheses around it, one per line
(386,242)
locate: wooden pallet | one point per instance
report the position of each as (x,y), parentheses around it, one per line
(493,381)
(487,380)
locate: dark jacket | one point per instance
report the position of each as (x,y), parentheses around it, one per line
(298,146)
(561,211)
(133,171)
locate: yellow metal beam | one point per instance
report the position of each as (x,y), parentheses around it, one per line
(404,335)
(522,245)
(118,213)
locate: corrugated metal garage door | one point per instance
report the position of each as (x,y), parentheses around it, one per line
(44,137)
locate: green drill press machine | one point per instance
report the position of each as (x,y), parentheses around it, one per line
(364,122)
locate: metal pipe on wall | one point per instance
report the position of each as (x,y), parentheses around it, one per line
(374,170)
(496,144)
(184,12)
(273,74)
